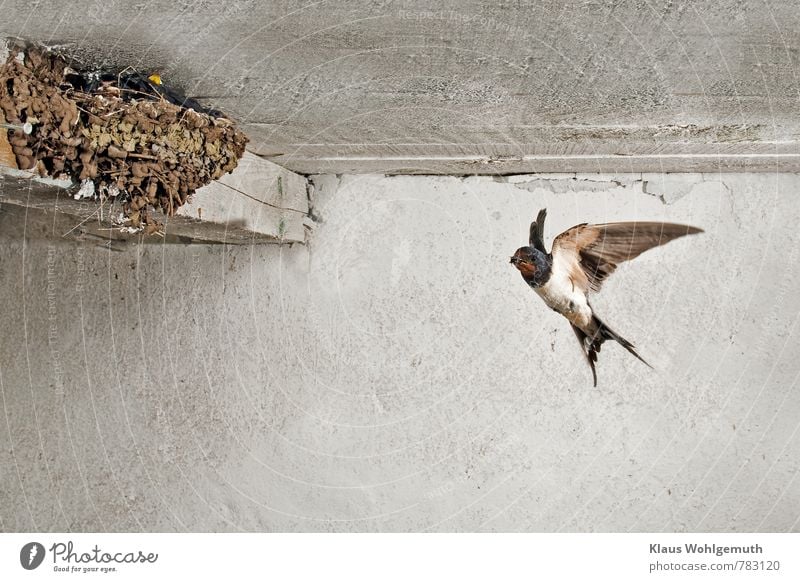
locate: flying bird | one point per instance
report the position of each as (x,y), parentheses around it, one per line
(582,258)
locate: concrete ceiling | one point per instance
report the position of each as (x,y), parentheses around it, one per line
(469,86)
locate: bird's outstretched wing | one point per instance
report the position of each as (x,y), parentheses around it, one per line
(597,249)
(536,239)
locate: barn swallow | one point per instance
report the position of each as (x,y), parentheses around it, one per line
(582,258)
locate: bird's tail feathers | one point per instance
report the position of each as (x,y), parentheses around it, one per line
(591,344)
(604,332)
(589,349)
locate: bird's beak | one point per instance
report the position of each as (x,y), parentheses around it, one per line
(514,260)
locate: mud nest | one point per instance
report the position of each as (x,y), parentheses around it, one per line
(134,146)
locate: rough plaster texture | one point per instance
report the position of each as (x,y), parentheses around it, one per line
(257,196)
(466,86)
(396,374)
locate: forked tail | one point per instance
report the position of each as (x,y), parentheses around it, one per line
(591,344)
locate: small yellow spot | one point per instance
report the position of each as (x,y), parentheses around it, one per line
(155,78)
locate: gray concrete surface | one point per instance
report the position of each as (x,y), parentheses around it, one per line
(229,216)
(397,375)
(467,86)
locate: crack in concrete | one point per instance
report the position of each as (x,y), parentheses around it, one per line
(574,183)
(669,190)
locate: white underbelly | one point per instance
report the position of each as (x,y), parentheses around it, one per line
(561,295)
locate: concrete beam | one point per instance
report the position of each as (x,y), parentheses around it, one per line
(259,202)
(259,196)
(492,165)
(479,87)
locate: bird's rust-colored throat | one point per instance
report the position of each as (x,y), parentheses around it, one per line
(525,267)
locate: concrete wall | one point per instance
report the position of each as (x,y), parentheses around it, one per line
(396,374)
(467,86)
